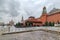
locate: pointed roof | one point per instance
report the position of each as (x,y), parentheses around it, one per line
(44,10)
(22,18)
(44,7)
(54,10)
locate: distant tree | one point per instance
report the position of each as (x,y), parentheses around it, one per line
(46,23)
(18,25)
(50,23)
(53,23)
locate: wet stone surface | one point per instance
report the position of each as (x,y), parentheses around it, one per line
(36,35)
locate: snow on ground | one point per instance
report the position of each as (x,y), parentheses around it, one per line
(35,35)
(13,29)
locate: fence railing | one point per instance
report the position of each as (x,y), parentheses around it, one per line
(8,29)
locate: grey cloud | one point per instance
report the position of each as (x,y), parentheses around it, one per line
(16,8)
(9,7)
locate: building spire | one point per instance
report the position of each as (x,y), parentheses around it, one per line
(22,19)
(44,10)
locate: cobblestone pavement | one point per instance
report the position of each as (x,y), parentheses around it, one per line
(36,35)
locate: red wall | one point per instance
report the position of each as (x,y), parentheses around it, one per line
(43,18)
(54,17)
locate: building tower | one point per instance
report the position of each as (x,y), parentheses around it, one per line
(22,19)
(43,17)
(11,23)
(44,12)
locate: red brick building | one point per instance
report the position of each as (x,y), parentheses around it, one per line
(34,21)
(52,16)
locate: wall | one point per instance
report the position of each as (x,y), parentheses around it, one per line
(54,17)
(43,18)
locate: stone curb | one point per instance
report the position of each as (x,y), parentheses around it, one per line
(55,32)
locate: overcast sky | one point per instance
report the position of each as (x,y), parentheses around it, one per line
(15,9)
